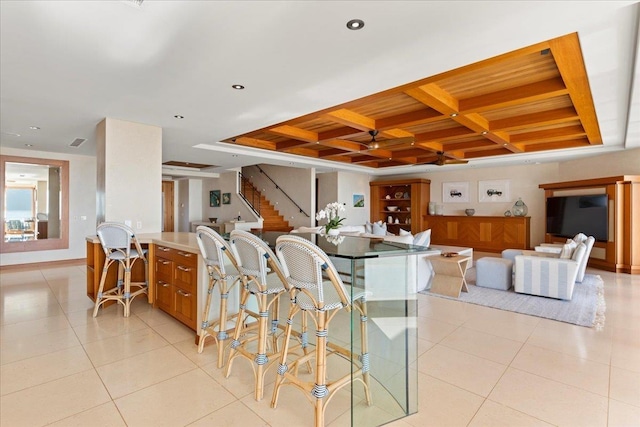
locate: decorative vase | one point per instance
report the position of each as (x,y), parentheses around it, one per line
(469,212)
(432,208)
(519,208)
(439,209)
(507,213)
(333,232)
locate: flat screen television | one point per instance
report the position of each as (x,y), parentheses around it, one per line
(570,215)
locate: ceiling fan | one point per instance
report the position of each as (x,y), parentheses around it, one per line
(442,160)
(374,144)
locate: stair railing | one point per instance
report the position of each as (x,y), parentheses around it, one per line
(283,192)
(249,193)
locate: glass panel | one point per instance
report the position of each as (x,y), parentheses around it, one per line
(389,285)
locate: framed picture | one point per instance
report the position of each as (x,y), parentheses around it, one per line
(358,200)
(455,192)
(226,198)
(214,198)
(494,191)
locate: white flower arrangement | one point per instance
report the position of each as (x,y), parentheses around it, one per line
(336,240)
(331,213)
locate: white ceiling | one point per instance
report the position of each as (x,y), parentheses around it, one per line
(65,65)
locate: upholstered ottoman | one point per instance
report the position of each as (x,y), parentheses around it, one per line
(492,272)
(511,254)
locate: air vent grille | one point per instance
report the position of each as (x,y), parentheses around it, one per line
(77,142)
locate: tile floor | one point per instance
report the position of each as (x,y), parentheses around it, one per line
(477,366)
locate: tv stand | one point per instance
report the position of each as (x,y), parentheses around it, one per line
(621,252)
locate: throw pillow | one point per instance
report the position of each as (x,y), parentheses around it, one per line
(579,238)
(423,238)
(379,230)
(579,252)
(405,233)
(368,227)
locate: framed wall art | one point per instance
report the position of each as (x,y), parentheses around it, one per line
(226,198)
(358,200)
(214,198)
(494,191)
(455,192)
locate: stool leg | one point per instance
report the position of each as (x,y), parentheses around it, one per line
(319,390)
(365,349)
(238,330)
(127,289)
(261,358)
(221,336)
(206,313)
(282,368)
(103,279)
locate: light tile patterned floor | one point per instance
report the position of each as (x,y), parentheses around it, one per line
(477,366)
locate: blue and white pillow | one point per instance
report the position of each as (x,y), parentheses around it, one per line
(423,238)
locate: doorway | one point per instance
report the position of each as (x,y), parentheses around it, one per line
(167,206)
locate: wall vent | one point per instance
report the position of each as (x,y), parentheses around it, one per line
(77,142)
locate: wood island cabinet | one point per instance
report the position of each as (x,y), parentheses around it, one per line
(176,276)
(482,233)
(409,197)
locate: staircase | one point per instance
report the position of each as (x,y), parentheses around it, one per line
(272,220)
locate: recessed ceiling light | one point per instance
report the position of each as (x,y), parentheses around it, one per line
(178,116)
(237,87)
(355,24)
(484,132)
(28,145)
(234,155)
(34,128)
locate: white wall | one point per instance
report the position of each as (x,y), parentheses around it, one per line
(82,202)
(348,185)
(183,205)
(130,155)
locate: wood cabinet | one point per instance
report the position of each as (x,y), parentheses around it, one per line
(482,233)
(176,279)
(401,204)
(621,252)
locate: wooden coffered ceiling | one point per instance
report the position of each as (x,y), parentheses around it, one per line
(533,99)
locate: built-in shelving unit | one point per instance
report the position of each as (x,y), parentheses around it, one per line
(400,203)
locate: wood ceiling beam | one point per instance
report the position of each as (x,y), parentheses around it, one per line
(411,152)
(397,133)
(544,118)
(570,132)
(435,97)
(414,118)
(380,153)
(256,143)
(470,145)
(435,146)
(557,145)
(443,135)
(344,145)
(342,132)
(331,152)
(352,119)
(294,133)
(498,151)
(568,56)
(290,143)
(301,152)
(514,96)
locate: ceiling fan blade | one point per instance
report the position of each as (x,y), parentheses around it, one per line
(455,162)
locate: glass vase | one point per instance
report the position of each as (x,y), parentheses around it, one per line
(519,208)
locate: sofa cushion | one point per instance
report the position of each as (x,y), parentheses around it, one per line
(423,238)
(379,230)
(579,238)
(405,233)
(368,227)
(407,239)
(567,249)
(579,252)
(352,229)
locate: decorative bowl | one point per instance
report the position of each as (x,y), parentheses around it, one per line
(213,220)
(409,209)
(392,208)
(469,212)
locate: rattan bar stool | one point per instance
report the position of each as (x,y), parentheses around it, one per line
(116,240)
(215,250)
(262,277)
(303,264)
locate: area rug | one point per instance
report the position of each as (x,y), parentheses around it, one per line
(586,308)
